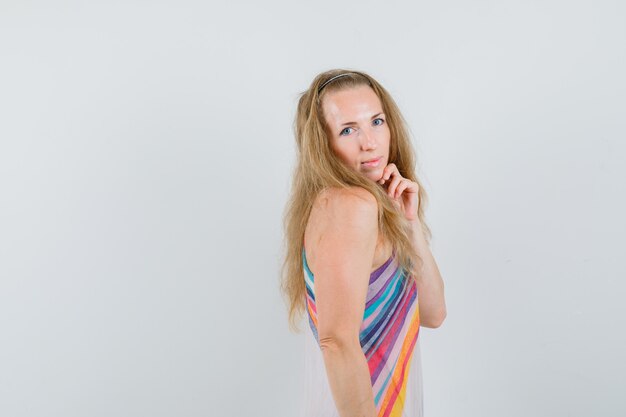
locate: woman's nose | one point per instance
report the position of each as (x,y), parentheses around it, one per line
(368,140)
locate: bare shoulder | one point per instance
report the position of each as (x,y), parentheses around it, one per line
(341,217)
(338,205)
(354,198)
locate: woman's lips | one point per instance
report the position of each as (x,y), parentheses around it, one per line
(372,163)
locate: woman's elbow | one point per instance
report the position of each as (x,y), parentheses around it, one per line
(435,321)
(338,340)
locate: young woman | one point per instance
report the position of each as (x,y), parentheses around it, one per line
(357,251)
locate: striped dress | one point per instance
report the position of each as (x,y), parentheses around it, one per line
(388,337)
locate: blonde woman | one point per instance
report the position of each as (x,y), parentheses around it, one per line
(357,259)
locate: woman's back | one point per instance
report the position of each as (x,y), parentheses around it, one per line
(388,336)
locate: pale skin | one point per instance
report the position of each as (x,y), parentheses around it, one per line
(342,229)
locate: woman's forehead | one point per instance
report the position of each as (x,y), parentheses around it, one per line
(351,103)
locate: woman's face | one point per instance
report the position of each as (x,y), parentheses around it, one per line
(358,129)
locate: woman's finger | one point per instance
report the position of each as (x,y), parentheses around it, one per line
(395,181)
(400,189)
(388,170)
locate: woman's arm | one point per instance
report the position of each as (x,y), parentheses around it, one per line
(405,194)
(430,287)
(344,247)
(349,377)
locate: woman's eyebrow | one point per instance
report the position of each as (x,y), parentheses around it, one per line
(353,123)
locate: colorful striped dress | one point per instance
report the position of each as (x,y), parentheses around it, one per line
(388,337)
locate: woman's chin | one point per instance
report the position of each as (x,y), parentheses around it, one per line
(373,175)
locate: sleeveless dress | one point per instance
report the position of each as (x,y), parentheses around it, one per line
(389,340)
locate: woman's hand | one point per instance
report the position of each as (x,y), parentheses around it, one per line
(402,191)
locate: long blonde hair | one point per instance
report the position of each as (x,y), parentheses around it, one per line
(317,168)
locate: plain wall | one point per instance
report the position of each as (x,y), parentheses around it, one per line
(146,151)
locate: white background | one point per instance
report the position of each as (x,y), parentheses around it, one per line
(146,151)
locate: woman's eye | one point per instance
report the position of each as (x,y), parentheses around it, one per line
(381,121)
(343,132)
